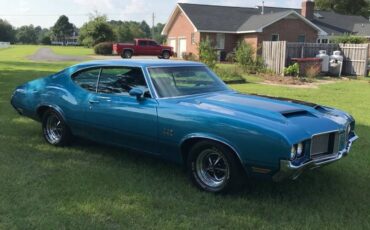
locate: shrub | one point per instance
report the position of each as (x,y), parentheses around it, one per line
(189,56)
(312,71)
(260,66)
(230,77)
(104,48)
(207,53)
(244,55)
(45,40)
(230,57)
(349,39)
(292,70)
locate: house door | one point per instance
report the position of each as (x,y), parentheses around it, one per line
(172,43)
(182,47)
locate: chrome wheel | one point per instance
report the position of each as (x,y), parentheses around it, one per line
(127,54)
(212,168)
(53,129)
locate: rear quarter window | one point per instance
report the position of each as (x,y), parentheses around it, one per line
(87,79)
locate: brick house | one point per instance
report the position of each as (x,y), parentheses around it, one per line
(225,26)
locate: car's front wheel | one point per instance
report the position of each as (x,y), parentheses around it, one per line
(214,168)
(54,128)
(166,55)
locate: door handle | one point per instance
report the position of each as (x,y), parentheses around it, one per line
(107,99)
(91,101)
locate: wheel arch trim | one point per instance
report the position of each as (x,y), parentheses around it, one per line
(54,107)
(213,138)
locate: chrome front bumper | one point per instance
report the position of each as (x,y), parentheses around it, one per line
(290,171)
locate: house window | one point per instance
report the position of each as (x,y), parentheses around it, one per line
(220,41)
(301,38)
(324,41)
(275,37)
(193,38)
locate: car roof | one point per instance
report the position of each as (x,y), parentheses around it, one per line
(135,63)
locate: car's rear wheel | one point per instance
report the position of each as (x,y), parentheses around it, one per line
(54,128)
(166,55)
(214,168)
(127,54)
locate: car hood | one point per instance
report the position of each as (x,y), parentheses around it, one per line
(276,113)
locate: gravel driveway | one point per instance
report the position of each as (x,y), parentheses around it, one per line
(47,54)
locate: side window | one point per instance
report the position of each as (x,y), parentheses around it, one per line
(87,79)
(152,43)
(275,37)
(142,43)
(118,80)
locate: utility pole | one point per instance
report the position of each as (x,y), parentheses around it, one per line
(153,20)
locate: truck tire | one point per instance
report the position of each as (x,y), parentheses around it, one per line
(166,54)
(126,54)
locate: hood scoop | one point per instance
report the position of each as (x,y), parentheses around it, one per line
(296,113)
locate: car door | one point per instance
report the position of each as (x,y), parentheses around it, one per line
(154,48)
(84,84)
(142,48)
(120,118)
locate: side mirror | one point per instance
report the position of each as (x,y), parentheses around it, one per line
(136,92)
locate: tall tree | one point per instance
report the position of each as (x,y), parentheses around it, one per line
(353,7)
(44,36)
(7,32)
(95,31)
(145,28)
(126,31)
(26,35)
(157,33)
(62,28)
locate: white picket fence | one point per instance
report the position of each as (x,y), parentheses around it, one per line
(4,44)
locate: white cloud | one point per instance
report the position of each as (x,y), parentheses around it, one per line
(23,7)
(114,6)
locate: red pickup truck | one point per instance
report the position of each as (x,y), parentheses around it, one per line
(146,47)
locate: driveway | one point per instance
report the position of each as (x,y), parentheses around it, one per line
(47,54)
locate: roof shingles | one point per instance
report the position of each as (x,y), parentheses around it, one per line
(233,19)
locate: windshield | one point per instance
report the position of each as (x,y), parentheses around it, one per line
(186,80)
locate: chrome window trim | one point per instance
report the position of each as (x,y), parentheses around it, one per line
(190,65)
(83,70)
(147,81)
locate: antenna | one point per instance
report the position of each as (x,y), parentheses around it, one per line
(263,7)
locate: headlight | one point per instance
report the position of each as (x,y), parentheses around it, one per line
(293,152)
(348,129)
(299,150)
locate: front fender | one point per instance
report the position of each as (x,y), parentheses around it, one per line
(213,137)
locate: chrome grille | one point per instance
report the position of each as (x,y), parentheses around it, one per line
(324,144)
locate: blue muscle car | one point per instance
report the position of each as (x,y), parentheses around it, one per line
(181,111)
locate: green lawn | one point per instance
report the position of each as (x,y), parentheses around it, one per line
(90,186)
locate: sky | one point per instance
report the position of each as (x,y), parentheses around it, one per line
(45,12)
